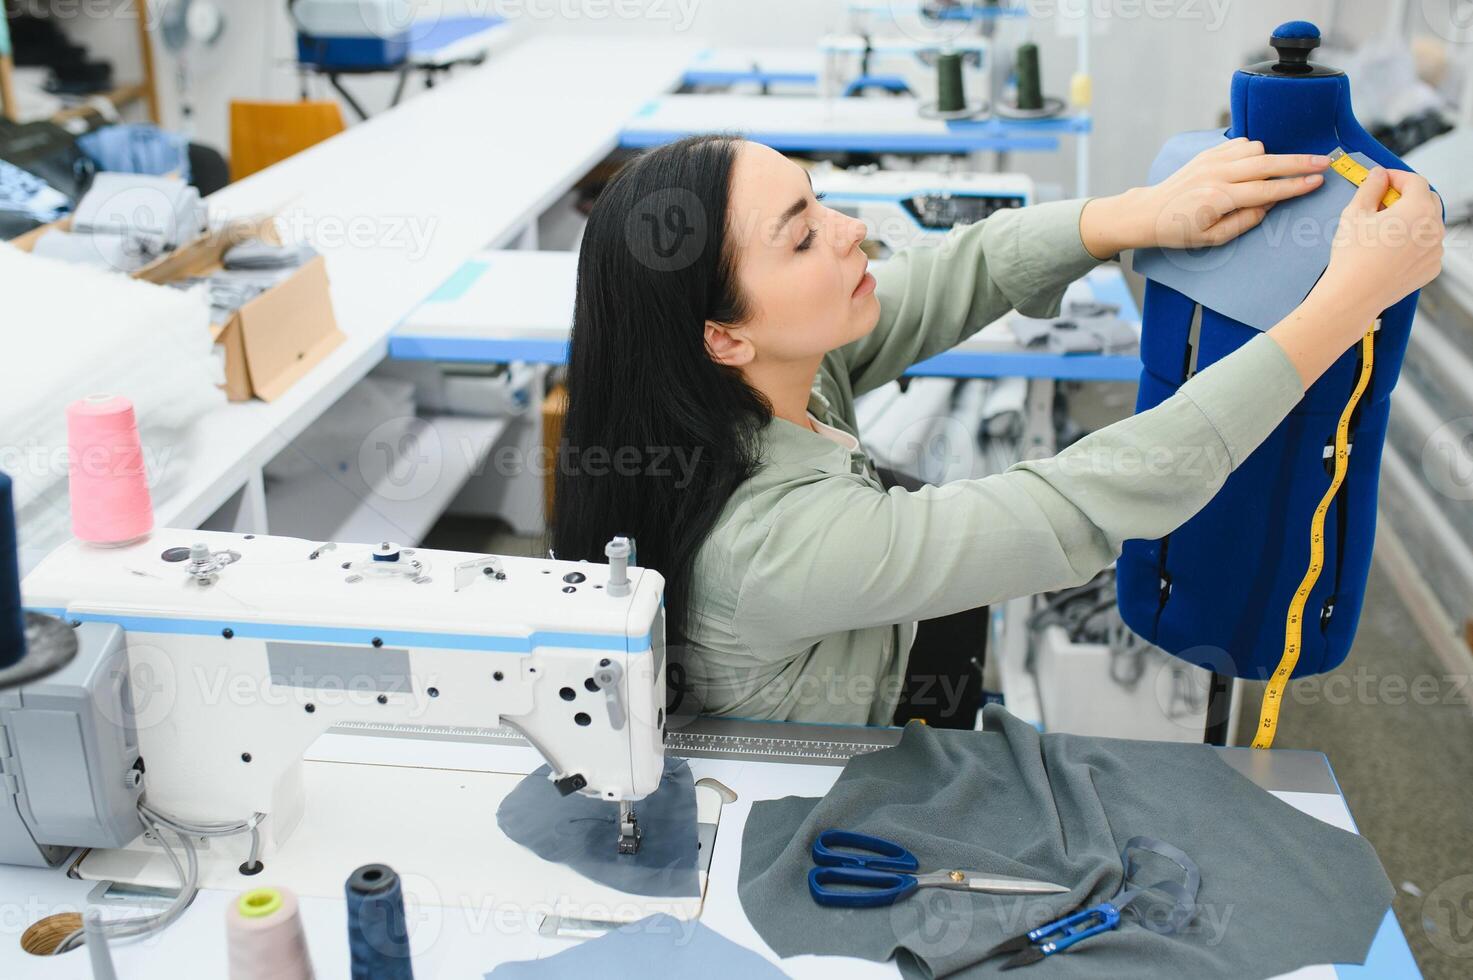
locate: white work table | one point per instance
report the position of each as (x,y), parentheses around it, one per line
(766,66)
(399,202)
(463,943)
(514,305)
(812,123)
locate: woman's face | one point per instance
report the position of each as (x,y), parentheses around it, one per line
(799,266)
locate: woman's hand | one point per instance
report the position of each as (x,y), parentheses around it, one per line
(1379,256)
(1382,254)
(1219,194)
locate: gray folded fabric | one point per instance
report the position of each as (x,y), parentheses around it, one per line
(1069,337)
(1029,331)
(1089,329)
(230,289)
(165,210)
(1102,334)
(256,254)
(1116,336)
(1280,889)
(121,253)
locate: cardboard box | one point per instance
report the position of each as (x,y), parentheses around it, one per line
(274,339)
(271,341)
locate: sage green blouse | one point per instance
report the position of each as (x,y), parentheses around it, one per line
(806,593)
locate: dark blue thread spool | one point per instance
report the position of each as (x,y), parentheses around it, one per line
(12,622)
(378,937)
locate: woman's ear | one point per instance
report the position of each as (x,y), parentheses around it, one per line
(726,347)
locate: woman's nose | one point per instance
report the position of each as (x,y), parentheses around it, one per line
(852,232)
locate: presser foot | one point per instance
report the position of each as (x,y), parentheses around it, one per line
(629,833)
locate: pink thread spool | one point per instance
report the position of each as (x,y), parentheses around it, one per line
(263,929)
(109,484)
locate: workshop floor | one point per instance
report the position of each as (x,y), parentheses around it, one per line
(1404,764)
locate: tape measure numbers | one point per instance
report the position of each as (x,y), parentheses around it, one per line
(1354,171)
(1273,696)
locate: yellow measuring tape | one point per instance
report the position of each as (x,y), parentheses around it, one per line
(1348,167)
(1273,695)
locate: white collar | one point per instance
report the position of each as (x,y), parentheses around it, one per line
(838,436)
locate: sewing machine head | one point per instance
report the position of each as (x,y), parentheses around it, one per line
(211,661)
(901,208)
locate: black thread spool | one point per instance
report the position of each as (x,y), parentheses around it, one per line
(951,96)
(1030,80)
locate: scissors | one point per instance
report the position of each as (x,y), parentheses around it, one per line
(885,872)
(1058,935)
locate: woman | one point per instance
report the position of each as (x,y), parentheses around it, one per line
(725,321)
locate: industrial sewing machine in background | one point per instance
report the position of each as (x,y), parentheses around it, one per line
(357,37)
(857,63)
(906,207)
(208,664)
(352,34)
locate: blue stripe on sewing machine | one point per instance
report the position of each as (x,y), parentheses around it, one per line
(343,635)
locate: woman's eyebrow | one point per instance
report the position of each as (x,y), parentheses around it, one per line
(792,210)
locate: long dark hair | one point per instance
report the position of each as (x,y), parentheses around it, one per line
(654,266)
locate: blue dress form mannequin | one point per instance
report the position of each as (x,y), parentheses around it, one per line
(1216,591)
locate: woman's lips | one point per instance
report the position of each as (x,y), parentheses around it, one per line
(866,285)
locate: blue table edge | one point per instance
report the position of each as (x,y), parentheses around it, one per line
(956,363)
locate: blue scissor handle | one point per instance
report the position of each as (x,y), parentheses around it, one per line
(873,888)
(885,855)
(1052,937)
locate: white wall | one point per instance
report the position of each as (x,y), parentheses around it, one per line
(1159,66)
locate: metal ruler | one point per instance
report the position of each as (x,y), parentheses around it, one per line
(1273,695)
(704,738)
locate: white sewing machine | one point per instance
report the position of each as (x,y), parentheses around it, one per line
(907,207)
(210,662)
(897,63)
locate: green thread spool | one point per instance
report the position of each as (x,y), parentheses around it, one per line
(1030,84)
(950,97)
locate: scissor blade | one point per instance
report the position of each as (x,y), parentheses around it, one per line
(1013,886)
(1024,957)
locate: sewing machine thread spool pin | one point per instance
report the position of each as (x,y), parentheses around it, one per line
(618,551)
(204,565)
